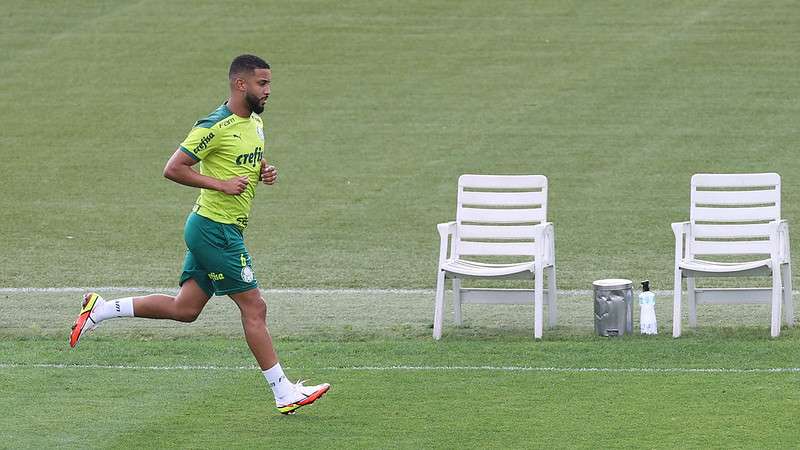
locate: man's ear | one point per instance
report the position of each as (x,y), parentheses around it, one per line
(240,84)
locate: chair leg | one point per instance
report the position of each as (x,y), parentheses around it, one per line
(777,294)
(676,305)
(692,302)
(788,302)
(439,306)
(457,301)
(538,295)
(552,309)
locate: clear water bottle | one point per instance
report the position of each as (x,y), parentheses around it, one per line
(647,316)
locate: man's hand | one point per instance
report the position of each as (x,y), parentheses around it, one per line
(234,186)
(269,174)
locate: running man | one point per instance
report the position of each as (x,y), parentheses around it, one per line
(230,145)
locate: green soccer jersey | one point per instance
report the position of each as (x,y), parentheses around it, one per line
(227,146)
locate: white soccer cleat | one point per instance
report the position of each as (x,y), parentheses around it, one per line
(85,321)
(301,396)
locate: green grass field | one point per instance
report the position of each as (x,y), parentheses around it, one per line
(377,108)
(485,385)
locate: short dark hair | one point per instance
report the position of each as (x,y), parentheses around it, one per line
(246,64)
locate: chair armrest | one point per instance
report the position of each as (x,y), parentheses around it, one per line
(445,231)
(779,234)
(680,229)
(545,238)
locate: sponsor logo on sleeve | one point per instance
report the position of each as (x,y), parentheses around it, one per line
(203,143)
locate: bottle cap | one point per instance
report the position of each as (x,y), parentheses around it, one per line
(646,285)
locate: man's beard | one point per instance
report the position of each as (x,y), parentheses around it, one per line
(254,103)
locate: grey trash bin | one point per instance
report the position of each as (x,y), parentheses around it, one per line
(613,307)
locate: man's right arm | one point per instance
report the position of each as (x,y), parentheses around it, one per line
(179,169)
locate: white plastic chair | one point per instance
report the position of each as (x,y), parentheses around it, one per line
(500,216)
(734,214)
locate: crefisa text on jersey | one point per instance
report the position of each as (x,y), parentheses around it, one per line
(251,158)
(203,143)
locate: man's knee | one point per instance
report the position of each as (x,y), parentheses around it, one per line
(255,309)
(187,314)
(251,304)
(189,302)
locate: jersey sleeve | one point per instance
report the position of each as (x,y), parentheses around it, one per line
(200,142)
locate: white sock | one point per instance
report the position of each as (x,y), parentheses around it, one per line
(281,387)
(122,307)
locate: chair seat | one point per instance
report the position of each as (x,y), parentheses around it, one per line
(697,265)
(477,269)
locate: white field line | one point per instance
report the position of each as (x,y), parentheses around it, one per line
(645,370)
(299,291)
(100,289)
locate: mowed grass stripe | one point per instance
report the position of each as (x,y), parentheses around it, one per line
(643,370)
(581,92)
(379,409)
(734,352)
(358,315)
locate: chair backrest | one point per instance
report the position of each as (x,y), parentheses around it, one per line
(496,214)
(730,213)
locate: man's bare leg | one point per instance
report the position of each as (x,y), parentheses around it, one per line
(254,322)
(288,396)
(184,307)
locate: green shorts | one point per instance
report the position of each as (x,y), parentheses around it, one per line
(216,257)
